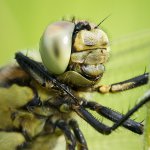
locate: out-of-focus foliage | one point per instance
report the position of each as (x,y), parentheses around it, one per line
(22,23)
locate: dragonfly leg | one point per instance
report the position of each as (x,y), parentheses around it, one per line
(70,139)
(125,85)
(82,145)
(114,116)
(101,127)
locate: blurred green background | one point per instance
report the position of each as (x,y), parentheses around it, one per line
(23,21)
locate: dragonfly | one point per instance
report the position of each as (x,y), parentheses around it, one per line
(39,98)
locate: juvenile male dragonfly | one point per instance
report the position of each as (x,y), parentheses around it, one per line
(40,97)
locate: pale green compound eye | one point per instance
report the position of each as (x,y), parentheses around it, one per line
(55,46)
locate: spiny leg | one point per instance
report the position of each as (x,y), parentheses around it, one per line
(32,66)
(78,134)
(143,100)
(90,119)
(125,85)
(70,139)
(102,128)
(114,116)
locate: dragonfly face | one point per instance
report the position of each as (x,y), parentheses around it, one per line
(45,94)
(75,50)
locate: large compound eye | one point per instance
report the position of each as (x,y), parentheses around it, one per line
(55,46)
